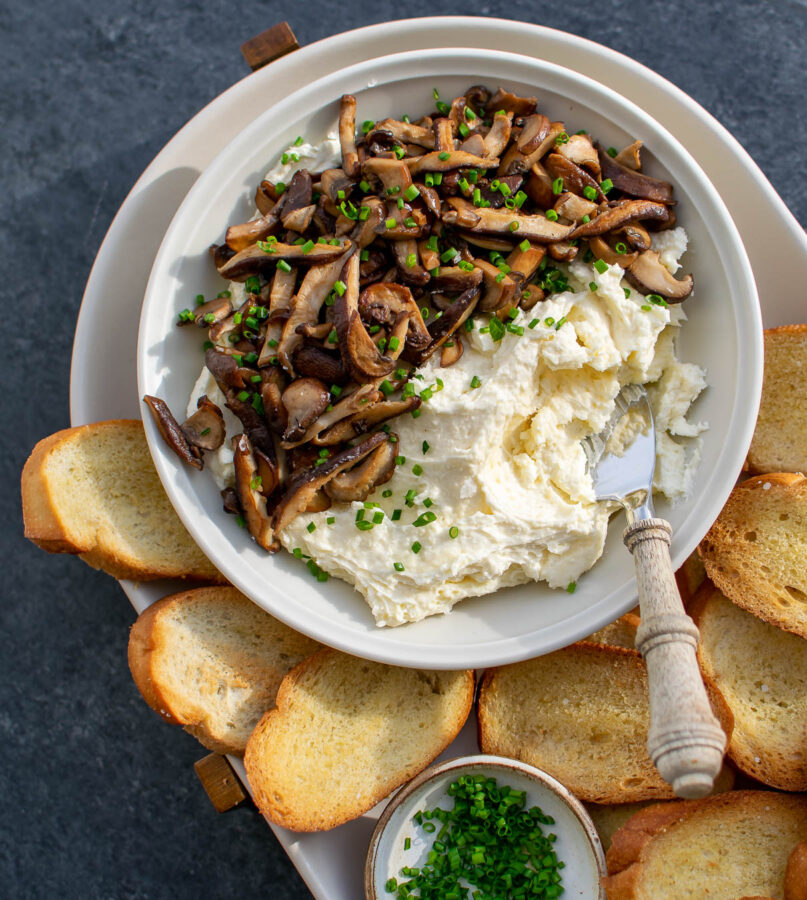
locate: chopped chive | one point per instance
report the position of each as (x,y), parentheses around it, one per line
(557,186)
(310,527)
(590,192)
(453,532)
(331,520)
(524,246)
(476,382)
(399,567)
(416,547)
(425,447)
(606,185)
(571,587)
(411,192)
(284,266)
(601,266)
(444,155)
(390,223)
(593,286)
(552,215)
(396,514)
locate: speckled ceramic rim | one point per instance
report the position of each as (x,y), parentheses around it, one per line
(469,763)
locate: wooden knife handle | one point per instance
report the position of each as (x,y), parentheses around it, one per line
(685,741)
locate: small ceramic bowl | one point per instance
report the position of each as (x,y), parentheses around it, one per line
(577,845)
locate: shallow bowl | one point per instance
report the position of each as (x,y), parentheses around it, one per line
(724,335)
(577,845)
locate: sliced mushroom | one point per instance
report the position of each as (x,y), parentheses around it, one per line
(477,97)
(443,135)
(581,151)
(365,229)
(496,198)
(519,106)
(499,221)
(310,360)
(272,387)
(211,312)
(441,329)
(224,370)
(205,428)
(332,182)
(266,197)
(230,502)
(256,259)
(636,236)
(407,132)
(620,215)
(563,250)
(365,419)
(526,262)
(475,145)
(604,251)
(172,433)
(239,237)
(446,161)
(634,183)
(573,177)
(299,219)
(572,207)
(358,483)
(304,484)
(539,186)
(393,173)
(305,400)
(451,351)
(406,259)
(528,147)
(630,157)
(530,295)
(454,278)
(499,288)
(648,275)
(499,135)
(487,242)
(281,292)
(360,354)
(347,135)
(314,288)
(252,501)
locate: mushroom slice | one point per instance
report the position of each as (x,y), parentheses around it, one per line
(648,275)
(407,132)
(519,106)
(367,418)
(496,198)
(211,312)
(347,135)
(430,198)
(451,351)
(461,214)
(406,259)
(453,278)
(499,292)
(499,135)
(230,502)
(563,250)
(304,484)
(313,362)
(265,197)
(224,370)
(637,236)
(272,387)
(634,183)
(441,329)
(572,207)
(253,503)
(393,174)
(365,230)
(172,433)
(475,144)
(299,219)
(526,149)
(334,180)
(360,354)
(477,97)
(526,262)
(498,221)
(618,216)
(630,157)
(205,428)
(357,402)
(531,295)
(239,237)
(573,178)
(316,285)
(305,400)
(604,251)
(281,292)
(581,151)
(443,135)
(445,161)
(487,242)
(360,481)
(539,186)
(257,258)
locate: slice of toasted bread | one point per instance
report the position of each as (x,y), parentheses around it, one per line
(582,715)
(780,438)
(93,491)
(690,577)
(621,633)
(756,551)
(345,733)
(725,847)
(630,839)
(761,671)
(211,660)
(796,873)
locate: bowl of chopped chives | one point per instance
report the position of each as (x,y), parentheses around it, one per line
(484,827)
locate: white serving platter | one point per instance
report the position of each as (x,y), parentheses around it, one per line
(103,378)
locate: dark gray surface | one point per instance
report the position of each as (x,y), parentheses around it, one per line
(100,799)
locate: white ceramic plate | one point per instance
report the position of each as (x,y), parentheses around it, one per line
(577,845)
(724,335)
(103,379)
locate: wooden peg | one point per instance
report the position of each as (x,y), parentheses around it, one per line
(220,782)
(270,45)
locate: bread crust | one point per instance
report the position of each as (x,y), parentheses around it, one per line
(46,525)
(267,797)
